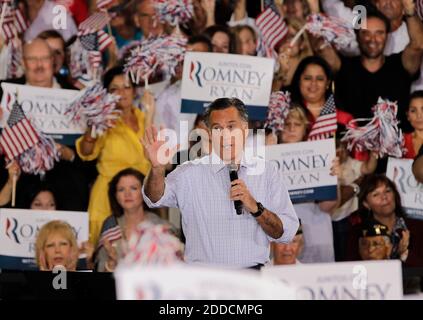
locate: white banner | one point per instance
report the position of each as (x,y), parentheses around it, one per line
(186,282)
(208,76)
(357,280)
(399,171)
(19,229)
(46,108)
(305,167)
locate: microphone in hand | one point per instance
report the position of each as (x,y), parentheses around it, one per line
(233,174)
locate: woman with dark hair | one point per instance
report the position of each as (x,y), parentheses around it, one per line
(118,148)
(414,140)
(221,38)
(380,200)
(128,212)
(42,198)
(311,87)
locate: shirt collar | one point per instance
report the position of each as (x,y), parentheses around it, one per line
(247,162)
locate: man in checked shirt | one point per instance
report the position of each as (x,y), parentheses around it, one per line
(205,195)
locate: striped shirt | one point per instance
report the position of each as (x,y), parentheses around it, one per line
(214,233)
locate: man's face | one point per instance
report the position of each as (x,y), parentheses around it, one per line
(228,131)
(373,39)
(374,248)
(392,9)
(287,253)
(145,18)
(38,61)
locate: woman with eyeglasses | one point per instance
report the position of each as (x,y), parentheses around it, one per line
(118,148)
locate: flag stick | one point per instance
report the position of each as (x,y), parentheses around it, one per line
(298,35)
(15,178)
(146,86)
(262,5)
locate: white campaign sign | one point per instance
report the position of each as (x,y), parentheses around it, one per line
(46,108)
(399,171)
(208,76)
(357,280)
(305,167)
(19,228)
(186,282)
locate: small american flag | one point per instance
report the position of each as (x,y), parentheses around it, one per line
(18,135)
(95,22)
(326,123)
(273,29)
(111,234)
(13,21)
(102,4)
(95,41)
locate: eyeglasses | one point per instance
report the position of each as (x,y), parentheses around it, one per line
(44,59)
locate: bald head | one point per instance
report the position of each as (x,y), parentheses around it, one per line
(38,61)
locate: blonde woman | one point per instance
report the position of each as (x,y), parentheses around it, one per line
(56,245)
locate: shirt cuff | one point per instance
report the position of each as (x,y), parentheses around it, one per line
(150,203)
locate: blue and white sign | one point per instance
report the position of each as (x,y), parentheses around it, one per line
(305,167)
(209,76)
(46,108)
(411,191)
(356,280)
(19,229)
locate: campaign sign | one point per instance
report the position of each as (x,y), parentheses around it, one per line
(305,167)
(46,108)
(19,229)
(189,282)
(357,280)
(411,191)
(209,76)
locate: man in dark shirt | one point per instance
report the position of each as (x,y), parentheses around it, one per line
(360,81)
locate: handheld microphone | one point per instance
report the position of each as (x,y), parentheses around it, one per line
(233,174)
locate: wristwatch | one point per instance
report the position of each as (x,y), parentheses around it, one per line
(356,188)
(259,211)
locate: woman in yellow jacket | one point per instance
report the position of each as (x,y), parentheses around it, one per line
(118,148)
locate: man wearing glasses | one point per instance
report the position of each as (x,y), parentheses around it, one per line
(39,67)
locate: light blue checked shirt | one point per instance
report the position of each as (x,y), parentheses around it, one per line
(214,233)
